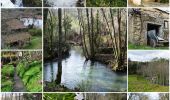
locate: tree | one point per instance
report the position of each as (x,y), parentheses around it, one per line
(58,81)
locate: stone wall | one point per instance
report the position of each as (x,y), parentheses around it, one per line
(138,24)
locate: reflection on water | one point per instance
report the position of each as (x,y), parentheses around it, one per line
(75,71)
(62,3)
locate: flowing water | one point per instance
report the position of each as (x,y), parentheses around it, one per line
(19,3)
(8,3)
(62,3)
(94,76)
(31,21)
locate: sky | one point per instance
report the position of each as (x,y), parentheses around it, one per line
(147,55)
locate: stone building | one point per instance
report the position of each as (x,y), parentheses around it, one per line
(143,20)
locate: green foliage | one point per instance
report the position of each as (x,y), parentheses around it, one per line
(21,68)
(132,46)
(32,3)
(35,32)
(140,84)
(31,74)
(67,23)
(35,43)
(7,85)
(7,78)
(8,70)
(59,96)
(164,1)
(106,3)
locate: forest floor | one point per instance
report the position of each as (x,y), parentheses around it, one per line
(35,43)
(18,84)
(131,46)
(139,84)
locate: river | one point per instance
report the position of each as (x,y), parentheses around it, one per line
(8,3)
(94,76)
(61,3)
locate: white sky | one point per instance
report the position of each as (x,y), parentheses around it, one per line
(147,55)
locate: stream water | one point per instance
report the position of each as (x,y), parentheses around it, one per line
(96,77)
(62,3)
(8,3)
(19,3)
(29,21)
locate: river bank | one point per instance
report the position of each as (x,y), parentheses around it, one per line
(81,75)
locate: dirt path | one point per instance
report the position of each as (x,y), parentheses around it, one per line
(18,84)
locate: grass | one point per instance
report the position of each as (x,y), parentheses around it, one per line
(106,3)
(132,46)
(59,96)
(139,84)
(35,43)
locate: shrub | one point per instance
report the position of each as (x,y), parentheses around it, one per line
(8,70)
(35,32)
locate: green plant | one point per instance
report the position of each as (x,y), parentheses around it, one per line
(8,70)
(7,85)
(35,32)
(59,96)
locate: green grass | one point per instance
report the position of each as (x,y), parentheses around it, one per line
(106,3)
(139,84)
(59,96)
(132,46)
(35,43)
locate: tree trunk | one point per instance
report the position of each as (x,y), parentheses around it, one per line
(89,33)
(58,81)
(92,36)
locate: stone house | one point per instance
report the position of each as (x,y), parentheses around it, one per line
(143,20)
